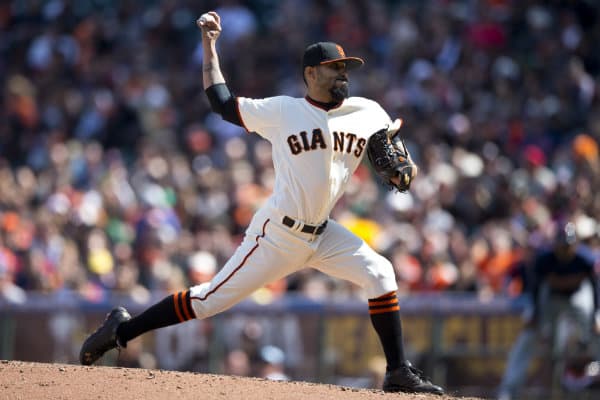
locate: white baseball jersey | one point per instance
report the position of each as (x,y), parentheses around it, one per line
(314,151)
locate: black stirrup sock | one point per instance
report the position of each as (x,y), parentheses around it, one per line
(172,310)
(385,317)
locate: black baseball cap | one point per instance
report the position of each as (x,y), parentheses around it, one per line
(328,52)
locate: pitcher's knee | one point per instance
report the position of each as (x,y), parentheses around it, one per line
(208,300)
(383,280)
(199,296)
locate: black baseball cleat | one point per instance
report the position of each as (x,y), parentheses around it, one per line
(408,379)
(105,337)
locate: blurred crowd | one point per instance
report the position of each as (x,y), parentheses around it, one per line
(115,175)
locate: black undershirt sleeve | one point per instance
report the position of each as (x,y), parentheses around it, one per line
(223,102)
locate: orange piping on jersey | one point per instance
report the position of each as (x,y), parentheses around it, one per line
(238,267)
(315,104)
(237,108)
(177,311)
(384,310)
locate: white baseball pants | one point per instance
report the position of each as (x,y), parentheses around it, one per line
(271,251)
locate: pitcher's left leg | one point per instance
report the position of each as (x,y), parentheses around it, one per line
(342,254)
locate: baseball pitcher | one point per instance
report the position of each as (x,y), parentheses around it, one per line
(317,143)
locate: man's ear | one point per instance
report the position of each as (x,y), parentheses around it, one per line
(310,74)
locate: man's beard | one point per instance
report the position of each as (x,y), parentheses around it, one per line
(339,93)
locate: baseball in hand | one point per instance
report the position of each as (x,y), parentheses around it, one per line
(205,18)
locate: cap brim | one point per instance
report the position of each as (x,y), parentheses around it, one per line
(351,62)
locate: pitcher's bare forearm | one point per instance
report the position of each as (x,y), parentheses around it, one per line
(220,97)
(211,70)
(210,25)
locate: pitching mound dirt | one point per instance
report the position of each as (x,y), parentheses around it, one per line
(25,380)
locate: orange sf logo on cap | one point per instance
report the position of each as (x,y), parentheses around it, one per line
(340,50)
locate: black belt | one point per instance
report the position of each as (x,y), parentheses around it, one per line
(313,230)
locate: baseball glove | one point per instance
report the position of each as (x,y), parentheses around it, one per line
(390,158)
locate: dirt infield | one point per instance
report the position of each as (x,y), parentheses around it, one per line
(25,380)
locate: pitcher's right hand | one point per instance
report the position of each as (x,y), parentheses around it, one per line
(210,24)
